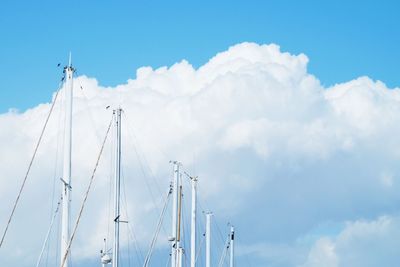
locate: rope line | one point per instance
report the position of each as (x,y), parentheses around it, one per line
(139,255)
(154,240)
(224,252)
(55,176)
(199,249)
(47,235)
(29,169)
(85,198)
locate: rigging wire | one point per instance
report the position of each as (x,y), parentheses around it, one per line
(184,223)
(214,222)
(201,226)
(53,194)
(86,196)
(138,149)
(197,253)
(165,156)
(98,139)
(111,184)
(138,252)
(91,117)
(58,245)
(158,228)
(144,164)
(48,235)
(129,248)
(201,245)
(29,168)
(221,236)
(224,252)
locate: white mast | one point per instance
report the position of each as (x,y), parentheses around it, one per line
(117,114)
(66,179)
(231,245)
(179,257)
(193,224)
(178,241)
(175,189)
(208,239)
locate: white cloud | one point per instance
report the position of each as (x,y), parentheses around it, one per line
(360,243)
(276,152)
(322,254)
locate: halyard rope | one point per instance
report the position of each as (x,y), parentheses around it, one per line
(86,196)
(29,169)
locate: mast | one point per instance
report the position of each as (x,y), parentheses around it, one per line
(193,224)
(179,257)
(231,245)
(178,241)
(117,185)
(208,239)
(173,238)
(66,178)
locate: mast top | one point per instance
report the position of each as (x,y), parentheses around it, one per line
(70,60)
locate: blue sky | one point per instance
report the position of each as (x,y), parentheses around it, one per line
(343,39)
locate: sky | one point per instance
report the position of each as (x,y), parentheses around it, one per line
(344,39)
(287,111)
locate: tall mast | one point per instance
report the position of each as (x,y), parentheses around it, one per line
(175,190)
(208,239)
(193,224)
(178,241)
(117,185)
(231,245)
(66,178)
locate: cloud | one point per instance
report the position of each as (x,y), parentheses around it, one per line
(360,243)
(322,254)
(276,153)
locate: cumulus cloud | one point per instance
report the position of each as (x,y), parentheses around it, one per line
(276,152)
(360,243)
